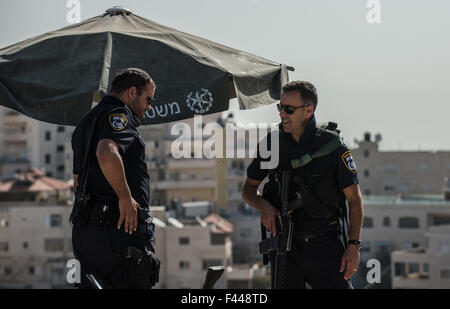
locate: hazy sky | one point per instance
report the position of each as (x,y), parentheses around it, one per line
(390,78)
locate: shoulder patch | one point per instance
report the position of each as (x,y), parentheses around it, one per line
(118,121)
(348,162)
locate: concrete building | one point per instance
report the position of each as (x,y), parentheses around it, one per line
(26,142)
(35,235)
(391,172)
(187,247)
(187,180)
(400,222)
(248,277)
(427,267)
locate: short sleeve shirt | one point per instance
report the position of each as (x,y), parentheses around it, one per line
(116,122)
(346,174)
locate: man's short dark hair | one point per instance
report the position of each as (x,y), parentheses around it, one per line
(308,92)
(131,77)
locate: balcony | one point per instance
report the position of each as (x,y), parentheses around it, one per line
(186,184)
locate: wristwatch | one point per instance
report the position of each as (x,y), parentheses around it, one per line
(355,242)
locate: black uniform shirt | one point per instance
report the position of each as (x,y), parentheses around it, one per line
(345,167)
(118,123)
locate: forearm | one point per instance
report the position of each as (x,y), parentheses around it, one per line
(356,213)
(251,197)
(112,167)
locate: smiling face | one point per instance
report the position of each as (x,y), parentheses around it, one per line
(295,122)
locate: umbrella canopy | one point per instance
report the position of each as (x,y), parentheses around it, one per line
(55,77)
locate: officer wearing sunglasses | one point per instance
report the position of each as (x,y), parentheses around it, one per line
(324,251)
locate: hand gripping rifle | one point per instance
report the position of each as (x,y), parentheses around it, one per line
(277,246)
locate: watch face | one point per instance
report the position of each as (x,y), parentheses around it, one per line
(354,242)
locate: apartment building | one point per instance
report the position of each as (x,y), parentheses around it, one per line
(427,267)
(187,246)
(391,172)
(400,222)
(35,235)
(27,142)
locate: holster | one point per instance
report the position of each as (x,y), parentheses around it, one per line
(81,209)
(142,268)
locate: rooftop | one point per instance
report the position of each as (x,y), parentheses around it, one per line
(406,200)
(33,180)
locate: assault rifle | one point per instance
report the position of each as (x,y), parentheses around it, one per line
(277,246)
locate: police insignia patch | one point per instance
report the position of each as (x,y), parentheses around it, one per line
(348,162)
(118,121)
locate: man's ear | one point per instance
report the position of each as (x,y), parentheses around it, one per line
(132,92)
(310,109)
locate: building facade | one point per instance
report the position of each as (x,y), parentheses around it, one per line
(424,268)
(27,142)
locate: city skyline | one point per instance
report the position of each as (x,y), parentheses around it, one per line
(388,78)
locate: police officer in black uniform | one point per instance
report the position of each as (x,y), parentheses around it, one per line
(323,178)
(112,231)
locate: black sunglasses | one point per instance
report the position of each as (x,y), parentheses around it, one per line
(289,109)
(150,100)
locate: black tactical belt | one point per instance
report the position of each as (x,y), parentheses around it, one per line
(103,213)
(304,238)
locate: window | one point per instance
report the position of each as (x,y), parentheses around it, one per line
(366,173)
(48,135)
(444,248)
(184,265)
(61,129)
(174,176)
(413,268)
(367,222)
(47,158)
(7,271)
(400,270)
(367,192)
(61,168)
(366,153)
(426,267)
(31,270)
(389,188)
(156,144)
(25,245)
(390,168)
(387,221)
(423,167)
(218,239)
(408,223)
(4,246)
(445,273)
(60,148)
(54,244)
(55,220)
(211,262)
(441,220)
(184,241)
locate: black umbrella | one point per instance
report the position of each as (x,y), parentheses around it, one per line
(55,77)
